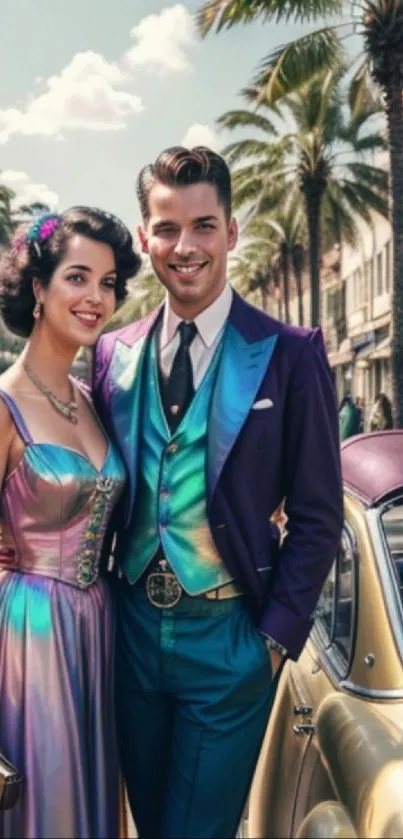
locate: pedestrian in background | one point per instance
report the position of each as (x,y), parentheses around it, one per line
(381,418)
(349,418)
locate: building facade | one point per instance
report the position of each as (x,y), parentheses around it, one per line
(356,315)
(356,312)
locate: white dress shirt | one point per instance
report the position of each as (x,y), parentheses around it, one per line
(210,325)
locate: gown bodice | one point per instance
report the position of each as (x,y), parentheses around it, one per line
(55,507)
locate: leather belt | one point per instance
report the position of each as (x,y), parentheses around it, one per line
(164,590)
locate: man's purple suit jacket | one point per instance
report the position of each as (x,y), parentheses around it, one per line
(256,458)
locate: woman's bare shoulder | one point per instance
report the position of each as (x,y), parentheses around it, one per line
(8,386)
(7,428)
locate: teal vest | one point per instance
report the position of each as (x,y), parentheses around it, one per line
(171,507)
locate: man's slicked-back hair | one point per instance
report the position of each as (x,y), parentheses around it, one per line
(179,167)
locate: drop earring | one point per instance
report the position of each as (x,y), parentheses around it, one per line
(37,310)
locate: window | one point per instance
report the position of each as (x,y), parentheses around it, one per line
(388,258)
(379,274)
(359,288)
(325,608)
(344,606)
(369,280)
(335,613)
(392,522)
(350,288)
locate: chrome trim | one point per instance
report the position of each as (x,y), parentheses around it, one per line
(380,502)
(304,729)
(338,666)
(371,693)
(353,493)
(391,502)
(387,576)
(330,668)
(330,661)
(303,710)
(333,664)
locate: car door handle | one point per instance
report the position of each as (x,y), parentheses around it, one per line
(305,728)
(303,710)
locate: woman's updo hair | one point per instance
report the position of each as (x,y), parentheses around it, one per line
(39,247)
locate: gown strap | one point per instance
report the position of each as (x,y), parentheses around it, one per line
(17,417)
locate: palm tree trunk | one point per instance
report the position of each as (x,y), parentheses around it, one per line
(265,298)
(300,296)
(394,111)
(297,264)
(312,203)
(285,265)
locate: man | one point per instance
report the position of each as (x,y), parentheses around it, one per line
(221,413)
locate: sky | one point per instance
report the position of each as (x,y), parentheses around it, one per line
(90,92)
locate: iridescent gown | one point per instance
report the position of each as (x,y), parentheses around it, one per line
(56,642)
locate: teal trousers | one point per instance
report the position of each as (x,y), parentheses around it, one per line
(194,692)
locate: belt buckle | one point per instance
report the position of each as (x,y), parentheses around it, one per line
(163,588)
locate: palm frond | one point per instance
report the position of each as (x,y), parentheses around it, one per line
(246,189)
(223,14)
(244,149)
(339,222)
(289,67)
(372,176)
(246,119)
(364,96)
(259,170)
(253,95)
(263,195)
(6,196)
(362,199)
(369,143)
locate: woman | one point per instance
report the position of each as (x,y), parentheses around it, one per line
(381,418)
(61,478)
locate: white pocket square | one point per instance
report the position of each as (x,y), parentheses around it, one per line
(262,404)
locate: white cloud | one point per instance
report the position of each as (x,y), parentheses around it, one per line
(87,94)
(200,135)
(95,94)
(161,40)
(26,190)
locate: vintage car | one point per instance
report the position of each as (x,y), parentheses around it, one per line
(331,764)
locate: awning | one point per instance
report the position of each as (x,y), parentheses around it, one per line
(382,350)
(342,356)
(363,355)
(364,352)
(338,359)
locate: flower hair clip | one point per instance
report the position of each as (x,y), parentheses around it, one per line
(41,229)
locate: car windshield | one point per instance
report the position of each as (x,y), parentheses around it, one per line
(392,521)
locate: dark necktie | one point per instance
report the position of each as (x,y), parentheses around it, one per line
(179,388)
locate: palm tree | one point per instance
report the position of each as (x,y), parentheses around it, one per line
(6,227)
(286,228)
(146,294)
(254,271)
(323,158)
(380,23)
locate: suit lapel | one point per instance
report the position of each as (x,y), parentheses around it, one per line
(126,370)
(242,368)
